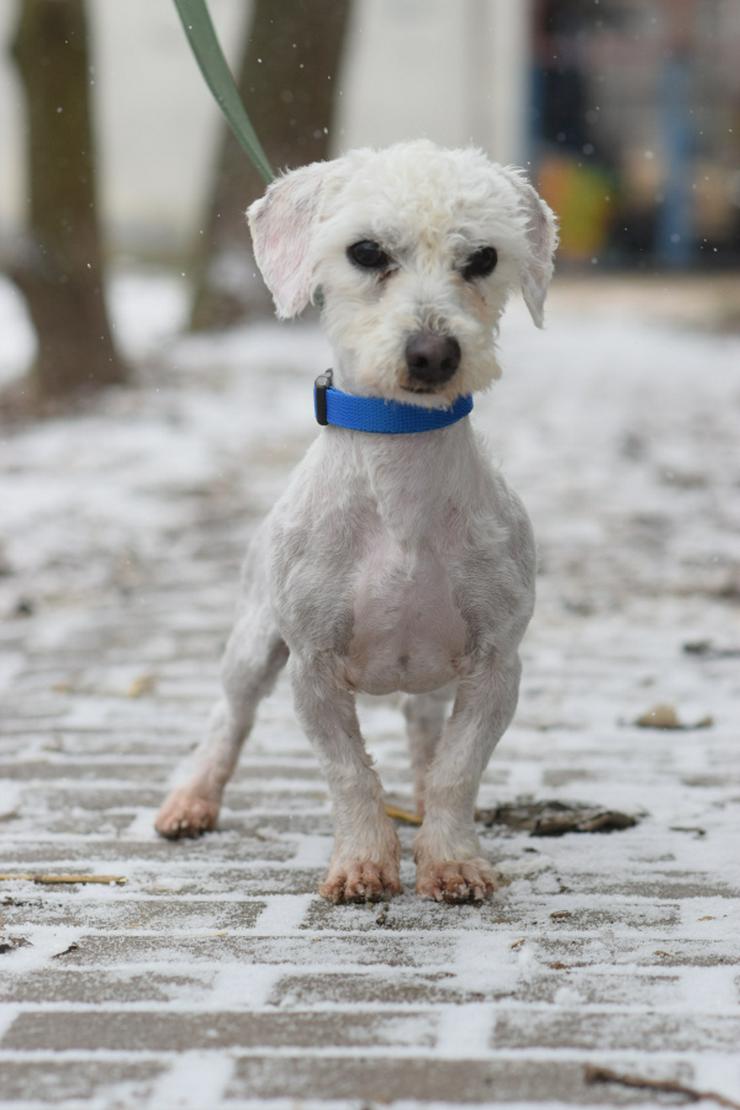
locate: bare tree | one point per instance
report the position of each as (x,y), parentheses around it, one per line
(288,79)
(59,266)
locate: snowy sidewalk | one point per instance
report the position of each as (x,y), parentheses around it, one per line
(215,977)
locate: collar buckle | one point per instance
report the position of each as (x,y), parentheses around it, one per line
(321,385)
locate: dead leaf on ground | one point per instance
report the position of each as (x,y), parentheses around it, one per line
(142,685)
(70,948)
(705,649)
(553,818)
(729,590)
(666,717)
(13,943)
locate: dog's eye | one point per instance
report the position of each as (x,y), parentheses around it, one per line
(368,255)
(481,263)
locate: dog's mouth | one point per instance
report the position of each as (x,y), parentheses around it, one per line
(420,388)
(426,389)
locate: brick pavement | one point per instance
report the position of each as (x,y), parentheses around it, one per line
(215,976)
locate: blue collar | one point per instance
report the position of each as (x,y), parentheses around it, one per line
(375,414)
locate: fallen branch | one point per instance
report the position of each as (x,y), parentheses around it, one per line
(594,1075)
(29,877)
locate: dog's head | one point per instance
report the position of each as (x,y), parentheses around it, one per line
(415,250)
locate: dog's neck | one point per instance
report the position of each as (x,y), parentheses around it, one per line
(414,479)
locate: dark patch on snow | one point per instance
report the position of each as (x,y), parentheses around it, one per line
(553,818)
(12,944)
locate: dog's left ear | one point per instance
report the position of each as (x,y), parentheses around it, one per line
(542,241)
(282,223)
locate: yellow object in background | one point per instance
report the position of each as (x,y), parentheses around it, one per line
(582,198)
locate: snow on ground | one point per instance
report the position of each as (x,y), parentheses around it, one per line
(214,976)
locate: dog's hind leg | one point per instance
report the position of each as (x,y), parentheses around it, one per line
(425,717)
(254,657)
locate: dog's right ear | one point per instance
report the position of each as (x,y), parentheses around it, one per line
(282,223)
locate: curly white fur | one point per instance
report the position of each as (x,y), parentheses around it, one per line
(391,562)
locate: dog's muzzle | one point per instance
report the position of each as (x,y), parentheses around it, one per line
(431,359)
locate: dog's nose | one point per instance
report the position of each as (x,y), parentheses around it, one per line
(432,358)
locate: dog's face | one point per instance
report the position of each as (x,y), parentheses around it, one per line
(415,250)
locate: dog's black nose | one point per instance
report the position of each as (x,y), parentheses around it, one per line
(432,358)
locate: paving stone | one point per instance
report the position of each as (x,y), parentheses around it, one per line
(412,913)
(45,1080)
(81,771)
(138,915)
(135,798)
(303,950)
(606,990)
(576,1029)
(251,878)
(20,856)
(64,984)
(345,988)
(659,885)
(646,952)
(141,1031)
(381,1080)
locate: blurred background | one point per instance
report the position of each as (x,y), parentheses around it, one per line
(146,391)
(626,113)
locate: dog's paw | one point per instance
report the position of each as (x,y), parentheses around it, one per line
(186,814)
(360,881)
(470,880)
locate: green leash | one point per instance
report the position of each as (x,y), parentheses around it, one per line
(209,56)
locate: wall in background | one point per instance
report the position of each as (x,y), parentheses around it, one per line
(453,72)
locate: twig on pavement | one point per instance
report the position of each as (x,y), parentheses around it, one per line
(29,877)
(594,1075)
(402,815)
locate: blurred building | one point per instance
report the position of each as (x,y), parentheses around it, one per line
(626,111)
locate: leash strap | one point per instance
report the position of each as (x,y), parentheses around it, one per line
(374,414)
(205,46)
(332,406)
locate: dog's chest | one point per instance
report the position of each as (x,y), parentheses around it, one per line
(407,630)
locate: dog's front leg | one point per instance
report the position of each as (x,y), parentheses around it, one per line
(449,866)
(364,864)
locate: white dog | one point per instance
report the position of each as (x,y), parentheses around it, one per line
(393,562)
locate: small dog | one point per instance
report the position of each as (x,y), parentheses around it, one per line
(392,562)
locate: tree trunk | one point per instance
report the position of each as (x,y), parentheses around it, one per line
(288,81)
(60,265)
